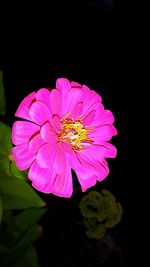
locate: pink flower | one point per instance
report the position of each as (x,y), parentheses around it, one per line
(66,128)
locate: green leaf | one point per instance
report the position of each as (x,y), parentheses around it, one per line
(3,249)
(18,194)
(7,162)
(30,259)
(2,95)
(19,174)
(18,250)
(5,139)
(1,210)
(28,218)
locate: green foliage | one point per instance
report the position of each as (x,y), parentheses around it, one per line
(29,259)
(100,211)
(17,232)
(7,163)
(18,194)
(1,209)
(94,229)
(2,95)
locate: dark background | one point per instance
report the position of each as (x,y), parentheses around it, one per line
(85,42)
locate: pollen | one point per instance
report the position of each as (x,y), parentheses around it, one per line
(74,133)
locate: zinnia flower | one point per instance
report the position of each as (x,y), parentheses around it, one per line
(66,128)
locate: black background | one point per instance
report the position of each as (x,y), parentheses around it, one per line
(86,42)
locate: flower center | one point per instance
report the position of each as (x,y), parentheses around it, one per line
(74,133)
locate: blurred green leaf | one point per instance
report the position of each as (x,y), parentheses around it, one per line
(7,163)
(24,221)
(94,229)
(2,95)
(28,218)
(17,251)
(1,210)
(5,139)
(19,174)
(30,259)
(100,211)
(18,194)
(3,249)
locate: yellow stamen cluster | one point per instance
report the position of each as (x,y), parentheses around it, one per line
(74,133)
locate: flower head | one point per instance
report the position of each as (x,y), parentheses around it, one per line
(65,128)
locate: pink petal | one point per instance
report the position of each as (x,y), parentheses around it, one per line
(89,99)
(35,143)
(64,87)
(75,85)
(85,172)
(39,113)
(111,151)
(47,133)
(67,149)
(22,131)
(39,175)
(55,102)
(96,152)
(60,160)
(77,110)
(23,156)
(102,133)
(46,154)
(43,95)
(88,170)
(106,118)
(43,178)
(56,179)
(86,91)
(114,131)
(73,98)
(23,109)
(89,118)
(56,122)
(63,184)
(63,84)
(103,171)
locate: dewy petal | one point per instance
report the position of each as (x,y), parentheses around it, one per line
(43,95)
(46,155)
(39,113)
(22,131)
(47,133)
(55,102)
(23,109)
(23,156)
